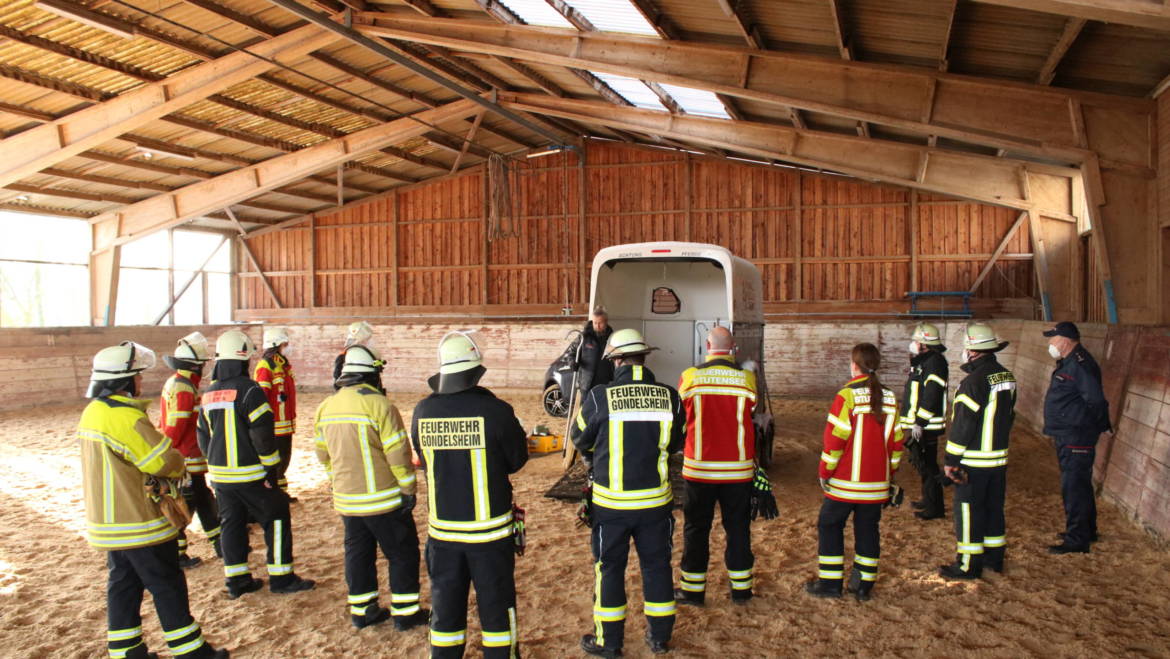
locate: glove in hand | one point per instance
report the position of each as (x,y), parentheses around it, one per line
(763,501)
(408,502)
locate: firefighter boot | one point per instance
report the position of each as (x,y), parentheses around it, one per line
(416,619)
(657,647)
(374,614)
(187,562)
(691,599)
(293,584)
(591,647)
(955,571)
(858,588)
(823,588)
(239,586)
(218,549)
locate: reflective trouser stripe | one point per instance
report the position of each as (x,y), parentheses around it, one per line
(740,579)
(448,639)
(659,609)
(996,541)
(866,566)
(831,567)
(693,582)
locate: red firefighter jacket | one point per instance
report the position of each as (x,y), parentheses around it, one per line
(860,455)
(179,403)
(275,376)
(719,398)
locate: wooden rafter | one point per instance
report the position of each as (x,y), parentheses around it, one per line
(839,30)
(1149,14)
(999,250)
(751,33)
(1072,29)
(944,51)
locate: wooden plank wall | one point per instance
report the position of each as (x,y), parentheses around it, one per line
(817,238)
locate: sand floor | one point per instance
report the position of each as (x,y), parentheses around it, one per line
(1113,602)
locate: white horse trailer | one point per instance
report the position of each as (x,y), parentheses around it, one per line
(675,293)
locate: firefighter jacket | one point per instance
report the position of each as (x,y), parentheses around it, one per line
(362,443)
(719,398)
(860,454)
(925,400)
(1075,404)
(235,432)
(274,374)
(179,404)
(626,430)
(469,442)
(982,417)
(119,449)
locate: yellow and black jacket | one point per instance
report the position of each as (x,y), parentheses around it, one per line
(362,443)
(469,442)
(119,449)
(925,401)
(626,430)
(984,411)
(235,432)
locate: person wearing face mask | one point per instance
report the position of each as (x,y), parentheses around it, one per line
(177,419)
(977,455)
(274,374)
(924,409)
(1075,415)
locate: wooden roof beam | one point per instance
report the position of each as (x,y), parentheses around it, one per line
(751,33)
(839,31)
(1149,14)
(46,145)
(173,208)
(1072,29)
(893,95)
(945,47)
(656,19)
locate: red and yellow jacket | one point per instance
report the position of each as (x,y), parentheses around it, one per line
(860,455)
(275,376)
(179,403)
(719,398)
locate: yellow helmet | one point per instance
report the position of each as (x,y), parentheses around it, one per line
(360,359)
(234,344)
(458,352)
(926,334)
(193,348)
(980,336)
(359,332)
(627,342)
(274,337)
(121,361)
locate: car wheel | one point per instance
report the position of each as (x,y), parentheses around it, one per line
(554,402)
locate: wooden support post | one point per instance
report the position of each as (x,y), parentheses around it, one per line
(467,143)
(341,184)
(394,301)
(485,244)
(243,241)
(688,192)
(201,271)
(206,308)
(1040,263)
(1094,199)
(999,250)
(312,287)
(798,239)
(171,275)
(912,227)
(582,210)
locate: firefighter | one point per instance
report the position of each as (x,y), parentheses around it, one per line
(469,441)
(121,456)
(718,467)
(235,433)
(625,431)
(274,374)
(1075,415)
(924,408)
(862,450)
(357,334)
(977,455)
(362,443)
(178,417)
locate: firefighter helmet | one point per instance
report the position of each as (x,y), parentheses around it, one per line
(359,332)
(274,337)
(926,334)
(981,337)
(458,352)
(234,344)
(124,360)
(360,359)
(193,348)
(626,343)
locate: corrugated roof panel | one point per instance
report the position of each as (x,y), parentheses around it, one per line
(613,16)
(537,12)
(697,101)
(633,90)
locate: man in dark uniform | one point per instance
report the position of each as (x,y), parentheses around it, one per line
(625,431)
(1075,414)
(924,409)
(469,442)
(591,368)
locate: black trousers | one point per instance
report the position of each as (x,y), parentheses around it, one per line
(735,503)
(652,532)
(980,528)
(1077,455)
(867,542)
(453,567)
(202,503)
(154,568)
(284,446)
(932,491)
(395,533)
(268,507)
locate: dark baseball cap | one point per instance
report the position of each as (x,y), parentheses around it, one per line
(1066,329)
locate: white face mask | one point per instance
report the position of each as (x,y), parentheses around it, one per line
(1054,351)
(969,356)
(913,347)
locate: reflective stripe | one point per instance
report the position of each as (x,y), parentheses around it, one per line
(120,653)
(482,536)
(831,560)
(739,574)
(955,449)
(409,609)
(221,474)
(659,609)
(393,440)
(964,399)
(609,613)
(856,485)
(188,647)
(843,425)
(235,570)
(831,574)
(362,599)
(181,632)
(657,417)
(497,639)
(995,541)
(271,459)
(403,598)
(692,587)
(448,639)
(479,525)
(124,634)
(865,560)
(259,412)
(970,548)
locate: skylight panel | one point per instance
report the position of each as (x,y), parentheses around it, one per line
(613,16)
(633,90)
(537,12)
(697,101)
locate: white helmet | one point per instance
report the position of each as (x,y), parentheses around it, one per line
(359,332)
(926,334)
(360,359)
(193,348)
(458,352)
(981,337)
(234,344)
(123,360)
(274,337)
(627,342)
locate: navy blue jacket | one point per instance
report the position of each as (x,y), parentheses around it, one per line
(1075,405)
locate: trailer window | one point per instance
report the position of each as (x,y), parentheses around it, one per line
(665,301)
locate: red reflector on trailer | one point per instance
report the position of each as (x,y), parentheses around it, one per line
(660,251)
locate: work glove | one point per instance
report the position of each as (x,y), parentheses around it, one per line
(585,509)
(167,493)
(824,484)
(896,495)
(519,530)
(763,501)
(271,479)
(916,432)
(408,503)
(956,475)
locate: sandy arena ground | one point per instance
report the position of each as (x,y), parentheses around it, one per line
(1110,603)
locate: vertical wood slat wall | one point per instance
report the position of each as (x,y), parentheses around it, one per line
(815,237)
